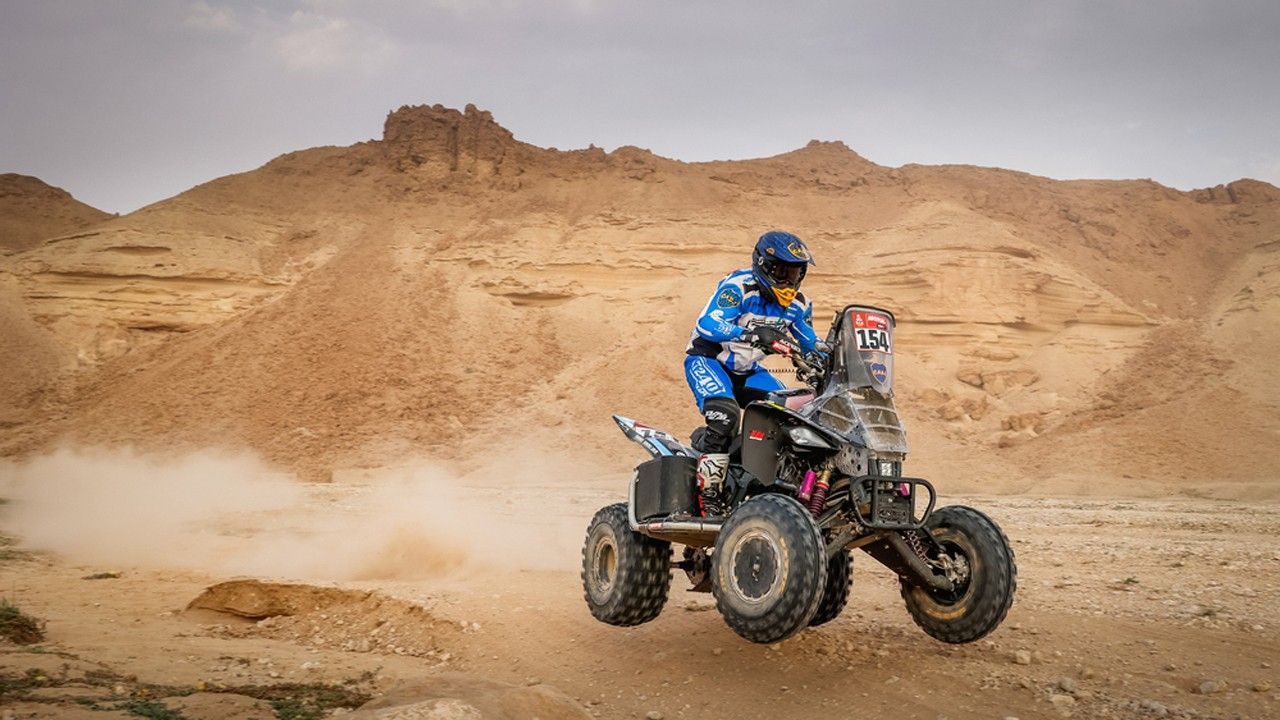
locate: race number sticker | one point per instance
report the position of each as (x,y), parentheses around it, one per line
(872,332)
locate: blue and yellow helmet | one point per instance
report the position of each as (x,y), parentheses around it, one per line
(778,264)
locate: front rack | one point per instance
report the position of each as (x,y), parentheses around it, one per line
(887,508)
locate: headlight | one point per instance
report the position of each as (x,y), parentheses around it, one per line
(801,435)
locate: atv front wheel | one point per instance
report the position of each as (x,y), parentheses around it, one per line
(769,568)
(982,567)
(836,592)
(625,575)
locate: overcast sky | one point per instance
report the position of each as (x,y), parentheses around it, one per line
(125,103)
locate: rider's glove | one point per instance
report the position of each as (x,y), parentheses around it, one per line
(765,337)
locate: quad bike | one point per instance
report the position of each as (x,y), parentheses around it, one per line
(814,473)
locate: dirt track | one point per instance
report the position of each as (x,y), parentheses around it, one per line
(1125,609)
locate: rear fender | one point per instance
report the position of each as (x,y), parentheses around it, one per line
(657,442)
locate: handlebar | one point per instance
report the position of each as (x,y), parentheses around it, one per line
(807,372)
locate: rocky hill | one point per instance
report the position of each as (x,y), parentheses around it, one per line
(449,290)
(31,211)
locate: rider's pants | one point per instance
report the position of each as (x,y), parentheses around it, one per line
(709,378)
(719,394)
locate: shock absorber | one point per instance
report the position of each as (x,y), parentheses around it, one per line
(820,487)
(806,487)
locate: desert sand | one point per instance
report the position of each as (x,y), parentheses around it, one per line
(378,380)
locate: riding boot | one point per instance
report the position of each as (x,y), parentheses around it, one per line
(711,473)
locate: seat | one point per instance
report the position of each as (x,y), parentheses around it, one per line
(792,398)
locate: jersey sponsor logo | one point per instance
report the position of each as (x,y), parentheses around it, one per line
(730,297)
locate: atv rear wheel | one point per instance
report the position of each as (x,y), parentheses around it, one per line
(769,568)
(985,577)
(625,575)
(836,592)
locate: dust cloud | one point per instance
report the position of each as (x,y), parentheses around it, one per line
(117,506)
(232,513)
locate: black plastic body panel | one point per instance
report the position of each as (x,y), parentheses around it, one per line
(666,486)
(763,437)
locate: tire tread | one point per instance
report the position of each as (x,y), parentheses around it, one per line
(796,608)
(644,572)
(836,593)
(990,609)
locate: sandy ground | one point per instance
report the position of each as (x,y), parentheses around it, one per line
(1124,609)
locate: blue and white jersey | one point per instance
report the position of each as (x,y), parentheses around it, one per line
(736,307)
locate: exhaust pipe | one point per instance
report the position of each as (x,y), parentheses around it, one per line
(706,525)
(710,526)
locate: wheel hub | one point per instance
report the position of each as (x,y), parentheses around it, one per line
(756,562)
(605,568)
(954,563)
(956,568)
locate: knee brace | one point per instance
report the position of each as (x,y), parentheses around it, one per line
(721,416)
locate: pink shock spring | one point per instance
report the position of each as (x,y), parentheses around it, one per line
(819,499)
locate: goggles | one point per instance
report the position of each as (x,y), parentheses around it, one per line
(783,274)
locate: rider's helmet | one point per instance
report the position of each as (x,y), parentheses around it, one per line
(778,264)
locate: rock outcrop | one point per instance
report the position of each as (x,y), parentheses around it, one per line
(441,138)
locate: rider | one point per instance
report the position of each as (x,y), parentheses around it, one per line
(749,311)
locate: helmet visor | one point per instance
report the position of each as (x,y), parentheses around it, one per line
(783,274)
